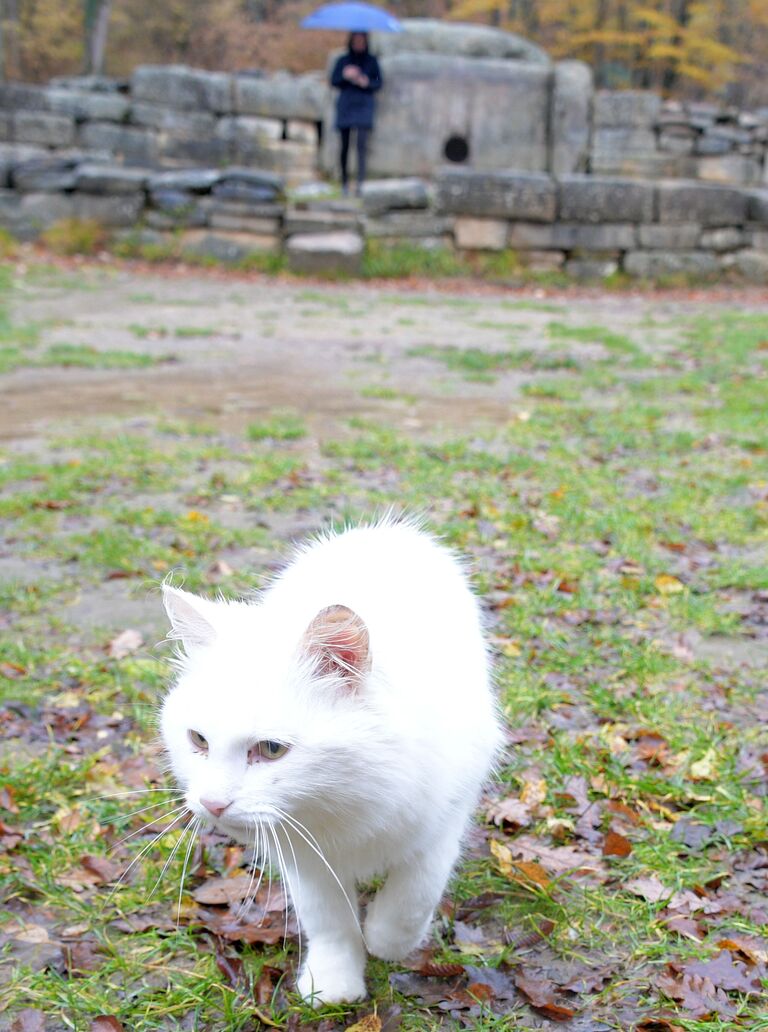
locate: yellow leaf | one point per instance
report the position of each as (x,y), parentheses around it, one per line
(666,584)
(503,857)
(704,769)
(370,1023)
(197,517)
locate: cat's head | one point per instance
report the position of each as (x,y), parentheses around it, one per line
(264,719)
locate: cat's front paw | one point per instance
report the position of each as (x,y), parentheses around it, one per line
(326,982)
(392,939)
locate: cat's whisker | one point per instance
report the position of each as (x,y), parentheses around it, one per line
(147,824)
(170,859)
(295,896)
(297,827)
(137,791)
(194,826)
(284,879)
(243,906)
(140,854)
(152,806)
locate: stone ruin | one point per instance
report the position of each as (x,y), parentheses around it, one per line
(485,143)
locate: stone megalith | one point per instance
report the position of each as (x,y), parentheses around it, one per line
(457,39)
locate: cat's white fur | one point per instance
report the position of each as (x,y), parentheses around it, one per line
(391,735)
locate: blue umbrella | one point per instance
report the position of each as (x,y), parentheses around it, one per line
(352,17)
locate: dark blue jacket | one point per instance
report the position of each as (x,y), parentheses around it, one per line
(354,108)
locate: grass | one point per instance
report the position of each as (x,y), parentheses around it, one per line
(621,522)
(481,364)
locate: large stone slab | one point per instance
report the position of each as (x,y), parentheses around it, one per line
(564,236)
(757,207)
(118,210)
(21,96)
(473,234)
(43,128)
(631,108)
(409,225)
(44,209)
(319,222)
(500,194)
(182,87)
(81,105)
(571,103)
(751,264)
(497,110)
(281,95)
(710,205)
(132,144)
(226,246)
(173,120)
(683,236)
(323,254)
(458,39)
(605,199)
(194,180)
(730,168)
(654,264)
(382,195)
(110,179)
(49,174)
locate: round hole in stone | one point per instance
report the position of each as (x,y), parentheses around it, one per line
(456,149)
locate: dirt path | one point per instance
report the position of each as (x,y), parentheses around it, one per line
(228,353)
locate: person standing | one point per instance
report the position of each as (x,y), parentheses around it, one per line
(357,76)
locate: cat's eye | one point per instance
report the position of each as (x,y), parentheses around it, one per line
(267,750)
(198,741)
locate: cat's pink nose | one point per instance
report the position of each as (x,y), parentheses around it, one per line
(215,806)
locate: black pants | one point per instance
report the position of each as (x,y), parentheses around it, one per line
(362,144)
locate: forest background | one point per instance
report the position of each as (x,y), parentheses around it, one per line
(685,48)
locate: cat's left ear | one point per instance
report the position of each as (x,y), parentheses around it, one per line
(338,641)
(191,618)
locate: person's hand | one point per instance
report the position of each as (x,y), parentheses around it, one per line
(363,80)
(350,73)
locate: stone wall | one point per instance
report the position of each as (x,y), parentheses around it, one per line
(173,116)
(635,133)
(588,226)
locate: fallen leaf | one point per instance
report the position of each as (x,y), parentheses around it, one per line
(666,584)
(510,811)
(28,1020)
(726,973)
(697,995)
(125,643)
(556,860)
(518,870)
(219,891)
(105,870)
(649,888)
(616,845)
(106,1023)
(7,801)
(370,1023)
(540,993)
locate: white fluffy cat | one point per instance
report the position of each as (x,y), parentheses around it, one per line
(344,722)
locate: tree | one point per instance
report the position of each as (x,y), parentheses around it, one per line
(97,14)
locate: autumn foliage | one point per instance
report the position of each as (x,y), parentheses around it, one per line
(687,47)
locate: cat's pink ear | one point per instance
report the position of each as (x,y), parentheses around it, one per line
(338,641)
(191,618)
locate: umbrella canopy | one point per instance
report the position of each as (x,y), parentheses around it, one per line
(352,17)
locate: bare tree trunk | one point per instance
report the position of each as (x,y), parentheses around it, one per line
(97,13)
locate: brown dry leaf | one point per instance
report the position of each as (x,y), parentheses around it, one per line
(125,643)
(12,671)
(423,962)
(7,801)
(649,888)
(540,993)
(84,956)
(509,811)
(105,870)
(697,995)
(523,871)
(616,845)
(666,584)
(370,1023)
(223,891)
(685,926)
(726,973)
(28,1020)
(556,860)
(658,1025)
(754,951)
(106,1023)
